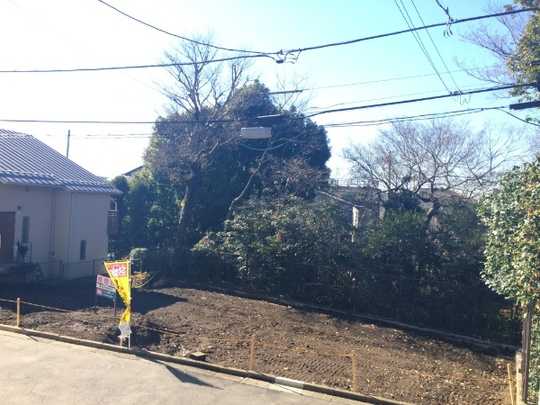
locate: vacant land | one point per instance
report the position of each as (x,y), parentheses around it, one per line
(297,344)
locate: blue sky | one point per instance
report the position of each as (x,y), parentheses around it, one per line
(63,33)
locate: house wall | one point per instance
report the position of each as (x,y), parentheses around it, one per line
(59,221)
(89,223)
(34,202)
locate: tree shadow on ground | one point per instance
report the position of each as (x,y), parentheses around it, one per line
(182,376)
(146,301)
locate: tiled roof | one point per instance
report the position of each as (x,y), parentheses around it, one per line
(26,161)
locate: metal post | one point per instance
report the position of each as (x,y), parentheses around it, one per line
(68,139)
(18,321)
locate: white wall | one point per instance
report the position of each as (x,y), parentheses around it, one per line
(59,221)
(88,222)
(35,203)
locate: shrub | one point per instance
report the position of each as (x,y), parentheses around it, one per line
(512,216)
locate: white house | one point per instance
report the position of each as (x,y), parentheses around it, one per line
(52,211)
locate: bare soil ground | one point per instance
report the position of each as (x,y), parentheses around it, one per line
(297,344)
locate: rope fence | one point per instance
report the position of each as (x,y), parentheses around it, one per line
(344,366)
(253,345)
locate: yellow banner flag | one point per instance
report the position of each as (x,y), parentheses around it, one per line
(120,273)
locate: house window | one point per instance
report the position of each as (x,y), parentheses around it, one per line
(25,230)
(82,255)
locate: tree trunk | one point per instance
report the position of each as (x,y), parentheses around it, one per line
(245,190)
(185,220)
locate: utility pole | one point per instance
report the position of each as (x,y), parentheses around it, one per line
(68,139)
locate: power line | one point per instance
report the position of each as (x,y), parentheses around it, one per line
(194,41)
(346,124)
(408,20)
(389,34)
(416,100)
(279,56)
(410,118)
(416,93)
(518,118)
(428,116)
(329,111)
(446,11)
(435,46)
(390,79)
(132,67)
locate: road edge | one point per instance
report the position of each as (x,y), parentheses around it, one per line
(321,389)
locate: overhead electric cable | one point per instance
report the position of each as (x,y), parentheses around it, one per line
(329,111)
(518,118)
(281,55)
(435,46)
(346,124)
(389,34)
(363,123)
(408,21)
(390,79)
(416,100)
(446,11)
(410,118)
(222,48)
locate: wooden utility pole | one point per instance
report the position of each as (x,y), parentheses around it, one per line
(68,139)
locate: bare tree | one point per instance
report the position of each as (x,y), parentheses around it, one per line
(430,160)
(200,93)
(514,44)
(291,93)
(205,84)
(500,41)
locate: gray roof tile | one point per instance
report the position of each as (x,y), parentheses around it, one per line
(24,160)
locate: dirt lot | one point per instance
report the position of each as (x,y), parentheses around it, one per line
(296,344)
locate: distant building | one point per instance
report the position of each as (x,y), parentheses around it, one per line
(133,172)
(52,211)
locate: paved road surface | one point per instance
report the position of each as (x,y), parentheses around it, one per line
(40,371)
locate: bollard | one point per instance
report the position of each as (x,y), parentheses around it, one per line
(252,354)
(354,364)
(18,321)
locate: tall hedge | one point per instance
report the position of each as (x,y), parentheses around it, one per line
(512,216)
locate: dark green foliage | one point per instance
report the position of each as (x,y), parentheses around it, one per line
(512,218)
(286,246)
(401,267)
(523,63)
(208,165)
(147,211)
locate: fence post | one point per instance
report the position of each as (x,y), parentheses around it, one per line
(354,364)
(510,384)
(526,349)
(18,319)
(251,365)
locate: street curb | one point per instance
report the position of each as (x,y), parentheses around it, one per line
(206,366)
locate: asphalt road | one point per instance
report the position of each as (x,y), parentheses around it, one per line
(40,371)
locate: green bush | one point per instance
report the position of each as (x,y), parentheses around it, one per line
(286,246)
(397,267)
(512,216)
